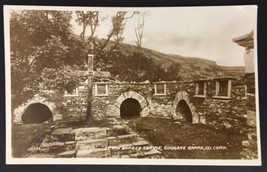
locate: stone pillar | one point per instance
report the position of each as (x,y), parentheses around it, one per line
(249,60)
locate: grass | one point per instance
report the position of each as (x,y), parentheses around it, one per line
(25,136)
(163,132)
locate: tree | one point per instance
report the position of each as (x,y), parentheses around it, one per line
(60,79)
(104,49)
(34,33)
(38,40)
(88,18)
(139,30)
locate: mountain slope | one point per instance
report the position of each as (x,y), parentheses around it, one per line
(191,68)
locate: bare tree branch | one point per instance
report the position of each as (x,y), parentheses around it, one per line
(90,18)
(139,30)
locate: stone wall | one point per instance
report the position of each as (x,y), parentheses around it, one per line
(250,150)
(152,104)
(216,110)
(250,84)
(75,104)
(222,110)
(207,109)
(226,111)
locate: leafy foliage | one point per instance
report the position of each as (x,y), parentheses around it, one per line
(39,39)
(60,79)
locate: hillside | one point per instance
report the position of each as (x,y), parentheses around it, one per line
(191,68)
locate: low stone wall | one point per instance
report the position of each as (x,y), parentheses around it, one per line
(207,109)
(226,111)
(151,104)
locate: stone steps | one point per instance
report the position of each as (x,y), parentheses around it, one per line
(56,147)
(95,142)
(92,144)
(90,133)
(63,134)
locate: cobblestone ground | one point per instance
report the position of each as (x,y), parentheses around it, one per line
(118,141)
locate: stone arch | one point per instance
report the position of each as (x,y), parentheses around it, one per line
(132,95)
(184,97)
(36,99)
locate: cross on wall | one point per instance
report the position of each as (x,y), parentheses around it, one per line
(91,74)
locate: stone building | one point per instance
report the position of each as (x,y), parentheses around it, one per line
(250,145)
(218,101)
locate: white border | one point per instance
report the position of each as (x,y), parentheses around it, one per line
(110,161)
(118,161)
(8,85)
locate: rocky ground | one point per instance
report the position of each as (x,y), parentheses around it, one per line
(135,138)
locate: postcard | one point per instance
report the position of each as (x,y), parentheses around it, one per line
(138,86)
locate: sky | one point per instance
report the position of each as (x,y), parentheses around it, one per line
(204,32)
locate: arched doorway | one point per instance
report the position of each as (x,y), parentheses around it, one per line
(184,110)
(130,108)
(117,108)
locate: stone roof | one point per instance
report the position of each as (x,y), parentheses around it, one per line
(245,40)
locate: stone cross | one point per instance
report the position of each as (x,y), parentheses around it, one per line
(91,74)
(90,86)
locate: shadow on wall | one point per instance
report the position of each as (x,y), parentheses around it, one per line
(36,113)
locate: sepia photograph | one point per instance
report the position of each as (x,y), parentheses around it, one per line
(142,86)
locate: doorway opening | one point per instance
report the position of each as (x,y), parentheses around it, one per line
(184,110)
(130,108)
(36,113)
